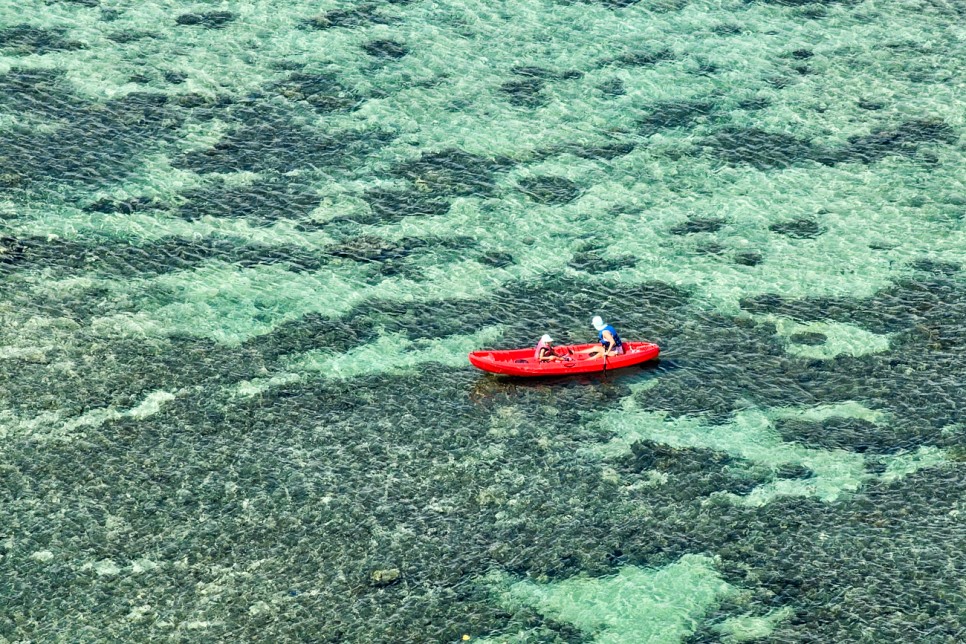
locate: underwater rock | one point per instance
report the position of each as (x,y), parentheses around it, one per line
(277,145)
(593,261)
(603,152)
(127,36)
(727,29)
(793,471)
(548,190)
(748,258)
(359,16)
(674,114)
(388,49)
(385,577)
(699,225)
(262,203)
(322,90)
(808,338)
(546,74)
(23,40)
(452,172)
(388,206)
(612,88)
(643,58)
(756,103)
(525,92)
(936,266)
(125,206)
(902,140)
(850,434)
(496,259)
(11,249)
(208,20)
(758,148)
(803,228)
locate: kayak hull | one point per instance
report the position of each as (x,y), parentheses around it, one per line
(521,362)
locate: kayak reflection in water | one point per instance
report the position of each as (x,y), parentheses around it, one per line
(610,341)
(545,350)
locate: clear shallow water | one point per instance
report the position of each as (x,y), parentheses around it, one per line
(246,247)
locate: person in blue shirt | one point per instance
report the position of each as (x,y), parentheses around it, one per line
(610,341)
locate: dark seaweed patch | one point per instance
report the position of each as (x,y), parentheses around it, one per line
(208,20)
(936,266)
(525,92)
(386,49)
(727,29)
(553,191)
(271,143)
(643,58)
(748,258)
(41,92)
(126,36)
(801,54)
(23,40)
(546,74)
(851,434)
(452,172)
(593,261)
(756,103)
(105,141)
(322,90)
(612,88)
(11,249)
(175,78)
(262,203)
(72,257)
(674,114)
(496,259)
(359,16)
(902,140)
(808,338)
(793,471)
(803,228)
(388,206)
(699,225)
(759,148)
(125,206)
(601,152)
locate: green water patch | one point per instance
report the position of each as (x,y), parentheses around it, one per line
(388,354)
(827,340)
(751,435)
(659,605)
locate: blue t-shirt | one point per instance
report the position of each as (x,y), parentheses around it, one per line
(617,339)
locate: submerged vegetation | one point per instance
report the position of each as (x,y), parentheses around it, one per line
(239,276)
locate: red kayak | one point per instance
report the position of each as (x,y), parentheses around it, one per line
(521,362)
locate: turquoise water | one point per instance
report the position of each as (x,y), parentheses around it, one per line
(245,248)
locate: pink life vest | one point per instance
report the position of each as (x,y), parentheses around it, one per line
(540,345)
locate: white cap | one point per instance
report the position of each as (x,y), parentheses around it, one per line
(546,338)
(598,322)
